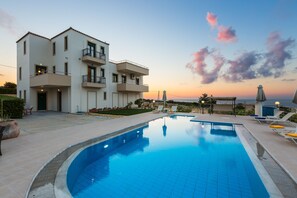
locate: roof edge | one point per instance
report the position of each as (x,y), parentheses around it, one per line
(33,35)
(70,28)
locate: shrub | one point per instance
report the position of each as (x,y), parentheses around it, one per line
(4,90)
(11,107)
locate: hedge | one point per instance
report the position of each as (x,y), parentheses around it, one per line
(4,90)
(12,107)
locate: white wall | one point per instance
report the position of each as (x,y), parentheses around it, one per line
(74,98)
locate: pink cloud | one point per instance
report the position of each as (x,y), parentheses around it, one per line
(198,65)
(212,19)
(226,34)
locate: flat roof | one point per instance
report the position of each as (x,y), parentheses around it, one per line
(60,34)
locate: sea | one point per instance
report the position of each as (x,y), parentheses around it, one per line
(268,102)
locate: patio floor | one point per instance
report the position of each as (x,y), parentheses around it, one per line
(43,135)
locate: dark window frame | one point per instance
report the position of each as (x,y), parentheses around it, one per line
(25,47)
(65,43)
(54,69)
(104,95)
(20,73)
(66,69)
(54,48)
(116,79)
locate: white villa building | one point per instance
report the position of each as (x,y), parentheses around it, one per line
(71,72)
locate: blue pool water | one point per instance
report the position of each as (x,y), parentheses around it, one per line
(170,157)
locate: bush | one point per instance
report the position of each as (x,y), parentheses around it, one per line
(12,107)
(4,90)
(185,109)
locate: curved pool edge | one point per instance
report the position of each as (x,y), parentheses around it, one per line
(43,183)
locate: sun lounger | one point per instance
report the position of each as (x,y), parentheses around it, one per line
(159,109)
(173,109)
(275,120)
(291,136)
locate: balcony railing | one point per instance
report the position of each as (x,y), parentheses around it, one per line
(93,81)
(93,53)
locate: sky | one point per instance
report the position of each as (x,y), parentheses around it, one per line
(191,47)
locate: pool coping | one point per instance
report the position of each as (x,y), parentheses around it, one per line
(43,183)
(269,184)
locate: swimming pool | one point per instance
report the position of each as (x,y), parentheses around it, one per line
(169,157)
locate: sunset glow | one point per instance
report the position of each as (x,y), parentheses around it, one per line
(223,48)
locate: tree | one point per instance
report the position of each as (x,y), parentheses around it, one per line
(9,85)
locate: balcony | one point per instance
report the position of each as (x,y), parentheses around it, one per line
(93,82)
(132,68)
(93,57)
(50,80)
(125,87)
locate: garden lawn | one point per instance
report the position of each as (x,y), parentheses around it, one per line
(125,112)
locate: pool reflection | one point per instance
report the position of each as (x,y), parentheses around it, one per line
(96,158)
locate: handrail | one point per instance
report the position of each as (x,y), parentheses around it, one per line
(94,79)
(95,54)
(127,61)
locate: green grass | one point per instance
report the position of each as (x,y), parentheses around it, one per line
(125,112)
(4,97)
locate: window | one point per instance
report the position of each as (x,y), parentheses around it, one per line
(102,72)
(25,47)
(65,43)
(66,68)
(54,49)
(114,78)
(20,73)
(102,51)
(54,69)
(25,96)
(124,79)
(137,81)
(104,95)
(39,70)
(20,94)
(92,49)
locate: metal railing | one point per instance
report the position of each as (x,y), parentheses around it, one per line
(93,53)
(94,79)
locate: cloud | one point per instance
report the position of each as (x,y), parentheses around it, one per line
(226,34)
(289,80)
(198,65)
(276,56)
(7,21)
(242,67)
(212,19)
(1,74)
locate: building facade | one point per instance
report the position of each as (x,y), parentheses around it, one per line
(71,72)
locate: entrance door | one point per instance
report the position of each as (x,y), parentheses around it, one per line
(59,101)
(91,74)
(41,101)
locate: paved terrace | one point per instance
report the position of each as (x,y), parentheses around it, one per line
(43,136)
